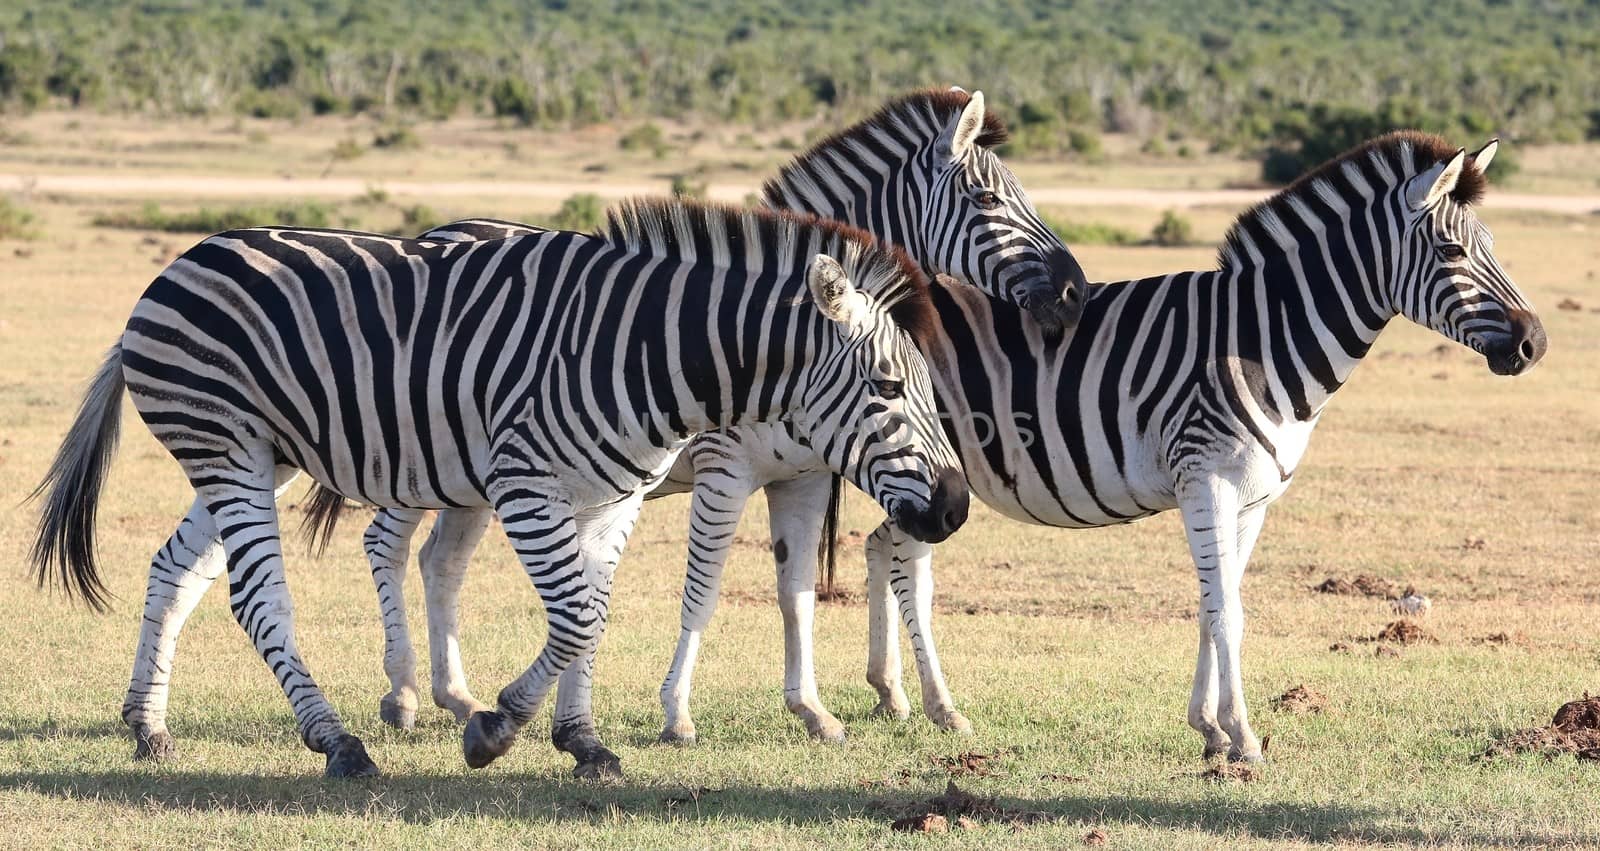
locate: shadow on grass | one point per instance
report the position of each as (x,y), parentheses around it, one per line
(547,799)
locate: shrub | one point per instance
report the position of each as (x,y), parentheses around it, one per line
(309,214)
(16,221)
(685,186)
(417,218)
(511,98)
(397,138)
(1173,230)
(1091,233)
(645,137)
(1085,143)
(347,149)
(581,212)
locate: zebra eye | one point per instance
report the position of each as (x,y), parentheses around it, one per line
(1452,252)
(986,200)
(888,388)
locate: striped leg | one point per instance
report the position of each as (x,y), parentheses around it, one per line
(444,560)
(575,587)
(910,570)
(180,573)
(604,534)
(883,632)
(388,545)
(247,515)
(1217,531)
(797,521)
(723,484)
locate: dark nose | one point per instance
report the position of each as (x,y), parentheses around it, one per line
(1527,332)
(944,514)
(1058,309)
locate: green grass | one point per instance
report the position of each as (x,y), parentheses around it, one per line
(1075,660)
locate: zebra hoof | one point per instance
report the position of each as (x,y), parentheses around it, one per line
(1246,757)
(601,765)
(892,709)
(395,715)
(678,738)
(954,722)
(348,758)
(154,746)
(487,737)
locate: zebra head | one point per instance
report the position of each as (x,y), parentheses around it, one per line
(868,408)
(979,226)
(1450,279)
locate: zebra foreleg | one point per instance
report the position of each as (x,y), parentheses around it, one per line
(883,630)
(911,578)
(388,545)
(259,598)
(794,507)
(444,560)
(1218,532)
(723,483)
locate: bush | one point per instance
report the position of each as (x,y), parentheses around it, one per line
(582,212)
(685,186)
(1085,143)
(511,98)
(307,214)
(1173,230)
(347,149)
(1091,233)
(645,137)
(398,138)
(417,218)
(16,221)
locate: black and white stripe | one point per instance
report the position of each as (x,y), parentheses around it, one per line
(551,376)
(1199,390)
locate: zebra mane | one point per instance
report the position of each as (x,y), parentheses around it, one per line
(919,116)
(696,230)
(1384,162)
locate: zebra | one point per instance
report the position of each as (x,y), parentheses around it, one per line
(1198,391)
(920,173)
(423,374)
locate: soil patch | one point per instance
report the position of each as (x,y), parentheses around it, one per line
(956,804)
(1364,585)
(1240,772)
(1301,701)
(924,823)
(1095,838)
(1405,631)
(1575,730)
(970,763)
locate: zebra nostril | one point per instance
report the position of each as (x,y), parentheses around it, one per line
(1526,349)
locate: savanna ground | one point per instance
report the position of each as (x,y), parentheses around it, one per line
(1070,651)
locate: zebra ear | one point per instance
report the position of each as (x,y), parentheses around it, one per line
(1427,188)
(1485,155)
(963,132)
(832,291)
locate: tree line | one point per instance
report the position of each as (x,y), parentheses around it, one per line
(1244,75)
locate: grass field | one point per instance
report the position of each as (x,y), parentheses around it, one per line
(1070,651)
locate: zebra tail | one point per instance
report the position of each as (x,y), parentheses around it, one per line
(323,510)
(63,549)
(828,547)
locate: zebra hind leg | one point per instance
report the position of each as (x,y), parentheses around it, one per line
(444,560)
(388,545)
(180,573)
(248,517)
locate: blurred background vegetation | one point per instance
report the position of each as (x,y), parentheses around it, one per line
(1291,81)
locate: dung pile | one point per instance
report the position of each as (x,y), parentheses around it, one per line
(1575,730)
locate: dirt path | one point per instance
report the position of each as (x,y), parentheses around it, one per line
(337,187)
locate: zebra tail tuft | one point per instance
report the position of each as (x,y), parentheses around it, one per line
(828,546)
(323,510)
(63,548)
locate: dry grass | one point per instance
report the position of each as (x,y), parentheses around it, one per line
(1070,651)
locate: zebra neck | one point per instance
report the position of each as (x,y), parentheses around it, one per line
(1317,309)
(876,195)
